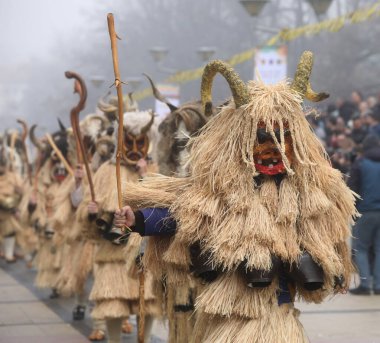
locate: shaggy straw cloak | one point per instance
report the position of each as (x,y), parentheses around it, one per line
(27,238)
(77,253)
(236,219)
(8,183)
(115,292)
(49,258)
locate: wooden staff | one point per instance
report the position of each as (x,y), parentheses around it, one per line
(81,89)
(118,83)
(59,154)
(23,139)
(39,158)
(119,154)
(12,150)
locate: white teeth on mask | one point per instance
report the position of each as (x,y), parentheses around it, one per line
(270,166)
(259,161)
(275,160)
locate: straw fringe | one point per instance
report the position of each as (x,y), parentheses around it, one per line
(278,325)
(229,296)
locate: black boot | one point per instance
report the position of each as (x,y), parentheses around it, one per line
(79,312)
(360,291)
(54,294)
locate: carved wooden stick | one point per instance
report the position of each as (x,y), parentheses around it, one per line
(118,83)
(23,138)
(80,87)
(59,154)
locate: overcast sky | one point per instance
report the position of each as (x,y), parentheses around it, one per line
(28,28)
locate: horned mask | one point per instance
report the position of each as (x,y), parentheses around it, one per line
(273,146)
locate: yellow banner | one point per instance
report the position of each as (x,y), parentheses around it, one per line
(285,35)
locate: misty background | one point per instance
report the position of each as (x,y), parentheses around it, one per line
(41,39)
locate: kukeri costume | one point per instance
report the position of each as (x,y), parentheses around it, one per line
(262,217)
(10,197)
(115,291)
(52,180)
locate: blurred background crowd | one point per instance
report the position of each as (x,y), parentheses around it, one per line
(344,125)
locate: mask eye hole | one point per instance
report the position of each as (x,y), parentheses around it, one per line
(263,136)
(140,142)
(129,142)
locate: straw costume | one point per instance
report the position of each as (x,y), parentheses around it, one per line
(10,197)
(262,218)
(52,186)
(116,290)
(175,130)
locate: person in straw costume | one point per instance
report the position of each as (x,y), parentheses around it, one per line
(175,130)
(115,290)
(84,262)
(52,186)
(10,196)
(261,219)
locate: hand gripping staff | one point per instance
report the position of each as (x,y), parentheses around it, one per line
(118,83)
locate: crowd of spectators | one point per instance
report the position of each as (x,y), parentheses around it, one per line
(350,131)
(344,125)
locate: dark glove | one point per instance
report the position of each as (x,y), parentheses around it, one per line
(110,233)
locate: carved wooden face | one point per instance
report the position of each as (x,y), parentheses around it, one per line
(267,157)
(135,147)
(58,171)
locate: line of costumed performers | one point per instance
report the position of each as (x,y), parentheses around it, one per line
(228,213)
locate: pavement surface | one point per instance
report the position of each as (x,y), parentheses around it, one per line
(28,315)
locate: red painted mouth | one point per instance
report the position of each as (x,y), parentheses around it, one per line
(271,169)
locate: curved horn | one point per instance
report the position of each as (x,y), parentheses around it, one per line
(147,127)
(24,129)
(301,82)
(61,126)
(102,119)
(158,95)
(36,142)
(238,87)
(105,106)
(80,88)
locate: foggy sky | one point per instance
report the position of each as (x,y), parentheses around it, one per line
(40,39)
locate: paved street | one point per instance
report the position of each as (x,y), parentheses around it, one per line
(27,314)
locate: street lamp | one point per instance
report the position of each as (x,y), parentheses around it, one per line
(253,7)
(97,81)
(320,7)
(206,52)
(134,82)
(158,53)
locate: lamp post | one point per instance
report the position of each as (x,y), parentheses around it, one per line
(206,52)
(97,81)
(134,82)
(320,7)
(158,54)
(253,7)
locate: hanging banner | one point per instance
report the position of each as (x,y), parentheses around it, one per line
(171,93)
(271,64)
(286,35)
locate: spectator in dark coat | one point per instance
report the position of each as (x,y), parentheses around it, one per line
(374,121)
(364,180)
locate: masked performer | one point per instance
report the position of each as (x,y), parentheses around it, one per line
(114,291)
(262,217)
(52,179)
(175,130)
(10,197)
